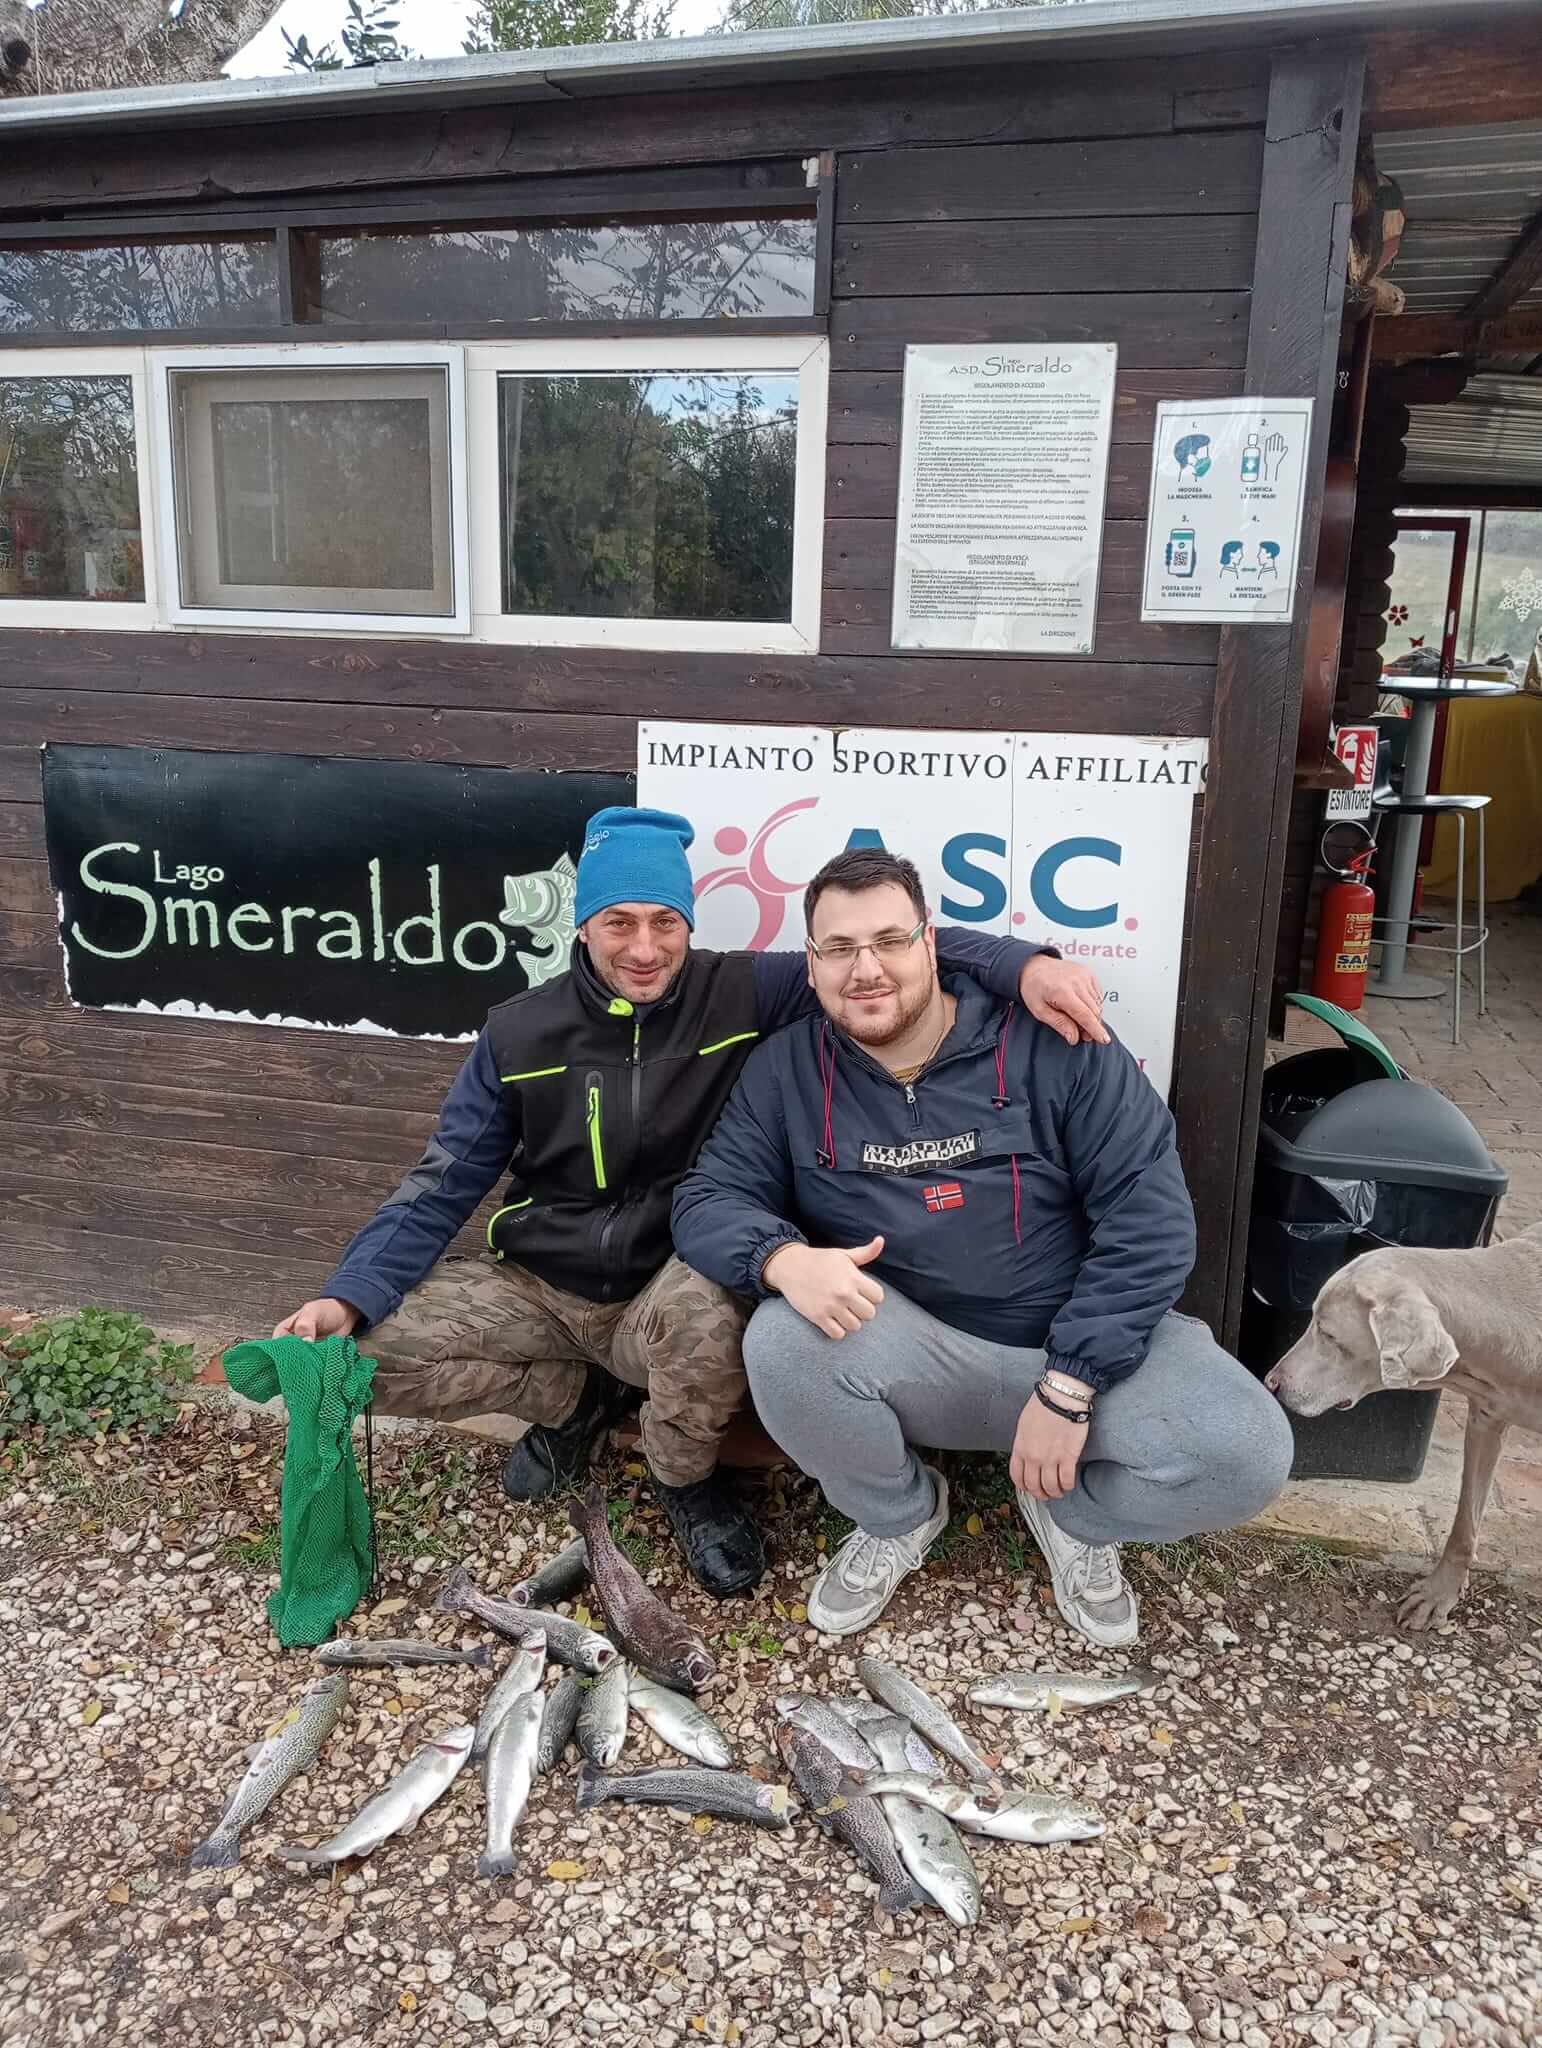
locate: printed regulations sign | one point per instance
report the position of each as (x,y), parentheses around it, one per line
(377,896)
(1003,468)
(1228,488)
(1073,838)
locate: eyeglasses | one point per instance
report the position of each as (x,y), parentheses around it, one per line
(888,946)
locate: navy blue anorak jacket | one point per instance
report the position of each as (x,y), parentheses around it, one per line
(1026,1191)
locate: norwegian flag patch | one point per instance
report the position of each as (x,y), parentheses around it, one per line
(944,1194)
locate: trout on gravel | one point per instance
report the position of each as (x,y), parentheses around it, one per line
(928,1843)
(849,1816)
(361,1653)
(566,1640)
(1038,1690)
(522,1674)
(677,1720)
(288,1751)
(602,1717)
(930,1720)
(403,1803)
(507,1772)
(662,1644)
(559,1718)
(1006,1815)
(726,1794)
(919,1754)
(566,1574)
(818,1717)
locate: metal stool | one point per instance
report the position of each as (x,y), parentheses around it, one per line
(1458,807)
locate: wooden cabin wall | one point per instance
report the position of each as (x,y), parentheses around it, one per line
(212,1171)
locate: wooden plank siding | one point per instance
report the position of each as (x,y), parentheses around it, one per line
(194,1168)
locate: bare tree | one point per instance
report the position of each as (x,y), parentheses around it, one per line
(88,45)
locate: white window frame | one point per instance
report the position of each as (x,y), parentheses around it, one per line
(807,356)
(337,356)
(82,614)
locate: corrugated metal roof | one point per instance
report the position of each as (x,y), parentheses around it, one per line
(1090,28)
(1492,434)
(1470,193)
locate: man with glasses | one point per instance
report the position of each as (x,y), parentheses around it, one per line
(966,1233)
(593,1092)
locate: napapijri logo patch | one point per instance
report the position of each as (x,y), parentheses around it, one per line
(921,1155)
(943,1194)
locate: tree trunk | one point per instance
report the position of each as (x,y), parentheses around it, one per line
(89,46)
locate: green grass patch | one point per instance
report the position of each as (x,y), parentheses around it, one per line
(414,1505)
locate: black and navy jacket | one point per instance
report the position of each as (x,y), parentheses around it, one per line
(595,1108)
(1026,1191)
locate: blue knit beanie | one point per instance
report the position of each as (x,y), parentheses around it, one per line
(634,856)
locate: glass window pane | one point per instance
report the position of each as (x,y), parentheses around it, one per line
(649,497)
(1416,609)
(69,490)
(601,270)
(314,490)
(137,287)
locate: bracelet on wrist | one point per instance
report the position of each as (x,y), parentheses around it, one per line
(1069,1388)
(1082,1415)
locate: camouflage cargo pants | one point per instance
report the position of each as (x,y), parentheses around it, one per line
(483,1339)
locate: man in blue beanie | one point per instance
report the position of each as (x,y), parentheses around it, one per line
(594,1093)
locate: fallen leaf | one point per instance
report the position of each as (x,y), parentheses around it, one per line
(1217,1864)
(702,1824)
(974,1526)
(582,1615)
(884,1979)
(1047,1595)
(634,1470)
(779,1610)
(1056,1706)
(1162,1737)
(731,2033)
(408,2001)
(243,1450)
(1082,1924)
(391,1706)
(798,1611)
(90,1713)
(118,1894)
(565,1873)
(390,1606)
(1236,1810)
(819,1542)
(699,2023)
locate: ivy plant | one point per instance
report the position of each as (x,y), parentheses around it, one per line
(78,1375)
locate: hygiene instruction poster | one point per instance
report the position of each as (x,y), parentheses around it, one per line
(1228,489)
(1003,468)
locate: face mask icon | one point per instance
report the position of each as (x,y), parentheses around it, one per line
(1192,455)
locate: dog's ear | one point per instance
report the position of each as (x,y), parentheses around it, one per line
(1414,1343)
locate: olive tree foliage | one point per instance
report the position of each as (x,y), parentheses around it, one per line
(95,45)
(550,24)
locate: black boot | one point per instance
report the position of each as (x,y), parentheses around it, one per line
(721,1543)
(551,1456)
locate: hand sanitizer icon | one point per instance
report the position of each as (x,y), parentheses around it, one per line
(1252,460)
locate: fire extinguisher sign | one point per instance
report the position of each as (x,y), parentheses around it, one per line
(1355,746)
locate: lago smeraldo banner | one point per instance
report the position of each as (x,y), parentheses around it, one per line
(373,896)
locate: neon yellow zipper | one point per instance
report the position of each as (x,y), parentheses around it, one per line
(596,1149)
(507,1210)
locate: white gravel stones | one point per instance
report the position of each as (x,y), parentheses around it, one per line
(1317,1832)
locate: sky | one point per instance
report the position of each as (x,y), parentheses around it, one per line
(433,28)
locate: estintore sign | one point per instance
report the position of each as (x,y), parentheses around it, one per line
(1228,490)
(1355,746)
(1003,466)
(1077,839)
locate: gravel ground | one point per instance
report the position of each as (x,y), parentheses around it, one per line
(1317,1830)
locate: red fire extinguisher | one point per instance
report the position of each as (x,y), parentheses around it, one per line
(1344,935)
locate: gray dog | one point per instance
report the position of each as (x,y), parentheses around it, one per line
(1471,1321)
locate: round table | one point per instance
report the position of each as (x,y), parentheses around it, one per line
(1392,978)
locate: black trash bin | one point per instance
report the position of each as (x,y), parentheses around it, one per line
(1352,1156)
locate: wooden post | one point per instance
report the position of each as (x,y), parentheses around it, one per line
(1312,134)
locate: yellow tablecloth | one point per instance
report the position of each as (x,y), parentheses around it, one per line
(1493,748)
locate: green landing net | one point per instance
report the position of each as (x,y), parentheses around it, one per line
(326,1559)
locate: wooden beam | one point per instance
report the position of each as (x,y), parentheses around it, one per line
(1456,334)
(1520,270)
(1312,130)
(1473,75)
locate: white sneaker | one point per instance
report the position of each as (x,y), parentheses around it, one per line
(865,1573)
(1091,1591)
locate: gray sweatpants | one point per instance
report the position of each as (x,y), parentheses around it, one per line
(1189,1442)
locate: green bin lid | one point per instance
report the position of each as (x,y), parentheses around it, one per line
(1354,1033)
